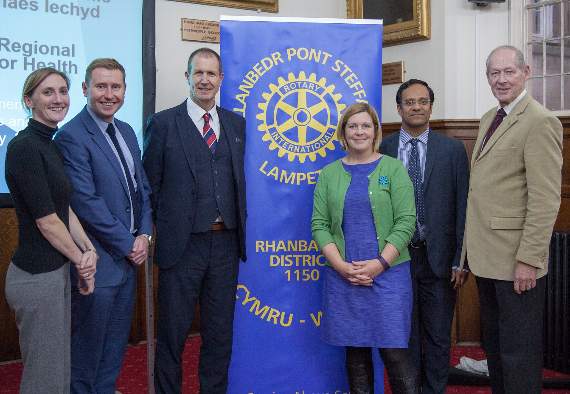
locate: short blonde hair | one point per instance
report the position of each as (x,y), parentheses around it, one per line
(354,109)
(104,62)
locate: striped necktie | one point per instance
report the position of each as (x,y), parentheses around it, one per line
(208,133)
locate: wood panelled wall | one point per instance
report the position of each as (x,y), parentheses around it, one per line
(466,322)
(9,347)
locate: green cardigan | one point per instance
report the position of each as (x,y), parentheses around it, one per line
(391,198)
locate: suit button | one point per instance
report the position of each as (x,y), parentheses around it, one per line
(128,210)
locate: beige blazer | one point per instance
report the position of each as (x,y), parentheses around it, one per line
(514,192)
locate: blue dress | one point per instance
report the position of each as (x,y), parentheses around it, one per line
(378,316)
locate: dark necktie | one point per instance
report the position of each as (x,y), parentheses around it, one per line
(208,133)
(414,170)
(494,125)
(132,191)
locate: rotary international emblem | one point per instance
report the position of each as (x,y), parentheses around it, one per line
(299,116)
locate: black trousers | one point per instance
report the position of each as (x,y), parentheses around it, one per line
(512,326)
(206,274)
(402,375)
(430,339)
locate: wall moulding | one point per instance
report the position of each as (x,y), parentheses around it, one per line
(258,5)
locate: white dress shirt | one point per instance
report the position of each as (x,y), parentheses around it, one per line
(196,113)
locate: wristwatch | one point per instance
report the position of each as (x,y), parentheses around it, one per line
(383,262)
(148,238)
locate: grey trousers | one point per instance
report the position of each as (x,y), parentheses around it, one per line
(42,306)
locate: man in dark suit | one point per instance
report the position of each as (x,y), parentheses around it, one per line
(514,197)
(112,199)
(194,161)
(439,170)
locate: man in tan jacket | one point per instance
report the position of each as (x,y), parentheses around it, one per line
(514,196)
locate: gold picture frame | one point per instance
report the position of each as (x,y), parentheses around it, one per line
(416,29)
(261,5)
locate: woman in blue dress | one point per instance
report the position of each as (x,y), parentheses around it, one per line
(363,220)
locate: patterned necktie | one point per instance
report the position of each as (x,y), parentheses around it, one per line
(414,170)
(496,122)
(208,133)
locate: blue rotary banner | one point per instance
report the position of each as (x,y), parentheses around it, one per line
(291,78)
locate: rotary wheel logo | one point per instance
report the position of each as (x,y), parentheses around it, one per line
(299,116)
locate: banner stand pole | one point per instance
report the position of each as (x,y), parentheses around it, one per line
(148,278)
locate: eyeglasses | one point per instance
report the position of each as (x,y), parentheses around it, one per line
(411,102)
(356,126)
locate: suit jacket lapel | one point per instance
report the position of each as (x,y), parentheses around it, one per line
(392,144)
(505,126)
(229,134)
(431,155)
(100,140)
(484,125)
(132,145)
(185,126)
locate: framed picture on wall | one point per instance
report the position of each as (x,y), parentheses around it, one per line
(261,5)
(404,20)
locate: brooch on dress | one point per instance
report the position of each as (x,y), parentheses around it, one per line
(383,180)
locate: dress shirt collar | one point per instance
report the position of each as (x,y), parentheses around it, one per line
(100,122)
(196,113)
(509,107)
(405,137)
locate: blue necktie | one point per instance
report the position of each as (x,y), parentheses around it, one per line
(414,170)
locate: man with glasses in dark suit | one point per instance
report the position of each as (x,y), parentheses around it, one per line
(439,170)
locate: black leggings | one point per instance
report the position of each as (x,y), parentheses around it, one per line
(401,370)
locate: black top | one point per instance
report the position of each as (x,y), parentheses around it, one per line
(39,187)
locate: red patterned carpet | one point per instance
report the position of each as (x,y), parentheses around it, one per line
(133,378)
